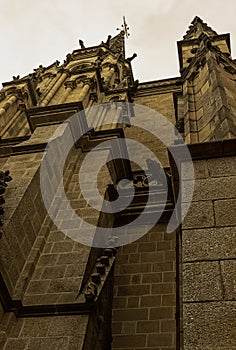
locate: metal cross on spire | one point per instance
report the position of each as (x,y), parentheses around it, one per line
(124,28)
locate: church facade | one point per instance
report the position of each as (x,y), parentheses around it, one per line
(163,290)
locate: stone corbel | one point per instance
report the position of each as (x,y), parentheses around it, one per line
(100,272)
(91,292)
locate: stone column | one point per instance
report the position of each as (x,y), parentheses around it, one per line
(69,85)
(62,78)
(14,95)
(50,79)
(88,83)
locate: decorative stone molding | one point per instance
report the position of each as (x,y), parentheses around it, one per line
(71,84)
(82,67)
(49,75)
(98,277)
(62,70)
(15,91)
(89,81)
(91,292)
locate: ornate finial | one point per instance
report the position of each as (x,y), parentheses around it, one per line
(124,28)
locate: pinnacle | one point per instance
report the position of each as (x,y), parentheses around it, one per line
(197,27)
(196,19)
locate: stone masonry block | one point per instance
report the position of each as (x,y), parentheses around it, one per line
(160,340)
(209,326)
(228,269)
(209,244)
(202,281)
(225,212)
(126,341)
(200,214)
(210,189)
(15,343)
(48,343)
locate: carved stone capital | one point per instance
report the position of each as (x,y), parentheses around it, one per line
(89,81)
(70,84)
(14,91)
(62,70)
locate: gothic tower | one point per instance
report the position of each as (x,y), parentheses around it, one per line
(162,290)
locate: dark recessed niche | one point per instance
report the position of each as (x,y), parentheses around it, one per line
(194,50)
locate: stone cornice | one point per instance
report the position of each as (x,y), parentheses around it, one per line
(20,310)
(206,150)
(160,86)
(43,115)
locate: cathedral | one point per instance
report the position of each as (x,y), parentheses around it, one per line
(82,137)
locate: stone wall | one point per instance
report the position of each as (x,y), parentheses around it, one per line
(144,304)
(209,255)
(42,265)
(44,333)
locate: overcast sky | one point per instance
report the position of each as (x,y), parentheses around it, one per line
(39,32)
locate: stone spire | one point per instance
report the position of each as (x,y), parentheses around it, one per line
(198,27)
(117,43)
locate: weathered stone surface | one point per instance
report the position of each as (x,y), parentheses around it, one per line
(47,343)
(210,189)
(228,269)
(220,167)
(200,214)
(209,325)
(225,212)
(16,343)
(202,281)
(200,170)
(209,244)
